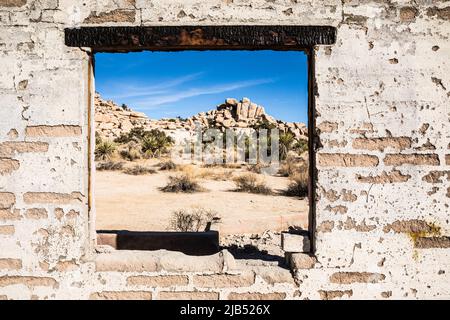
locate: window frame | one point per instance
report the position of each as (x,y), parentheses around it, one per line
(198,38)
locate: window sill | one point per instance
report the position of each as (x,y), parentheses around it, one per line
(155,261)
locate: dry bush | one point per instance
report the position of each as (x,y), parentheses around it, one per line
(257,168)
(301,146)
(250,182)
(287,169)
(152,143)
(232,165)
(131,151)
(138,170)
(292,165)
(193,220)
(109,165)
(211,165)
(182,183)
(167,165)
(223,165)
(298,186)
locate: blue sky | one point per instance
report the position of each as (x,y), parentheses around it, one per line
(170,84)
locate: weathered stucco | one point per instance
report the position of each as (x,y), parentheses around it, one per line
(383,188)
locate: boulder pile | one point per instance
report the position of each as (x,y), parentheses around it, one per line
(112,120)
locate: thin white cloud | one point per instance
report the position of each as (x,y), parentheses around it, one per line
(135,91)
(158,100)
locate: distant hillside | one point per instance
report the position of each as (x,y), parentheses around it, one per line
(111,120)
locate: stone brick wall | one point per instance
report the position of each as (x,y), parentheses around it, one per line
(382,106)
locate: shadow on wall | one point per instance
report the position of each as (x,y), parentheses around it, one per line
(190,243)
(251,252)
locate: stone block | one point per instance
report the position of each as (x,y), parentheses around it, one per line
(291,242)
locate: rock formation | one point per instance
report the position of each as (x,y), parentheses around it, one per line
(111,120)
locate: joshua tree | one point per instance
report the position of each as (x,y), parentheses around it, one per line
(104,150)
(155,142)
(301,146)
(286,141)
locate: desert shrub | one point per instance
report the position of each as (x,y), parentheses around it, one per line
(264,124)
(130,151)
(109,165)
(155,143)
(300,146)
(263,140)
(298,186)
(104,150)
(193,220)
(287,168)
(182,183)
(130,154)
(250,148)
(163,139)
(232,165)
(250,182)
(257,168)
(150,146)
(292,165)
(135,134)
(98,138)
(167,165)
(286,141)
(222,165)
(138,170)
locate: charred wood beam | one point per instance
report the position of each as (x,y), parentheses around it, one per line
(104,39)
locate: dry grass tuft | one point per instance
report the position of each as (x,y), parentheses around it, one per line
(257,168)
(251,183)
(130,152)
(298,186)
(109,165)
(182,183)
(138,170)
(292,166)
(232,165)
(193,220)
(167,165)
(223,165)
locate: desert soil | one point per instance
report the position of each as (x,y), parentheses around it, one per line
(128,202)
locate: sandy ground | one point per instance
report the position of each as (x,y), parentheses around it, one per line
(127,202)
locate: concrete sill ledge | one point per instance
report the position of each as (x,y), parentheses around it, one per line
(155,261)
